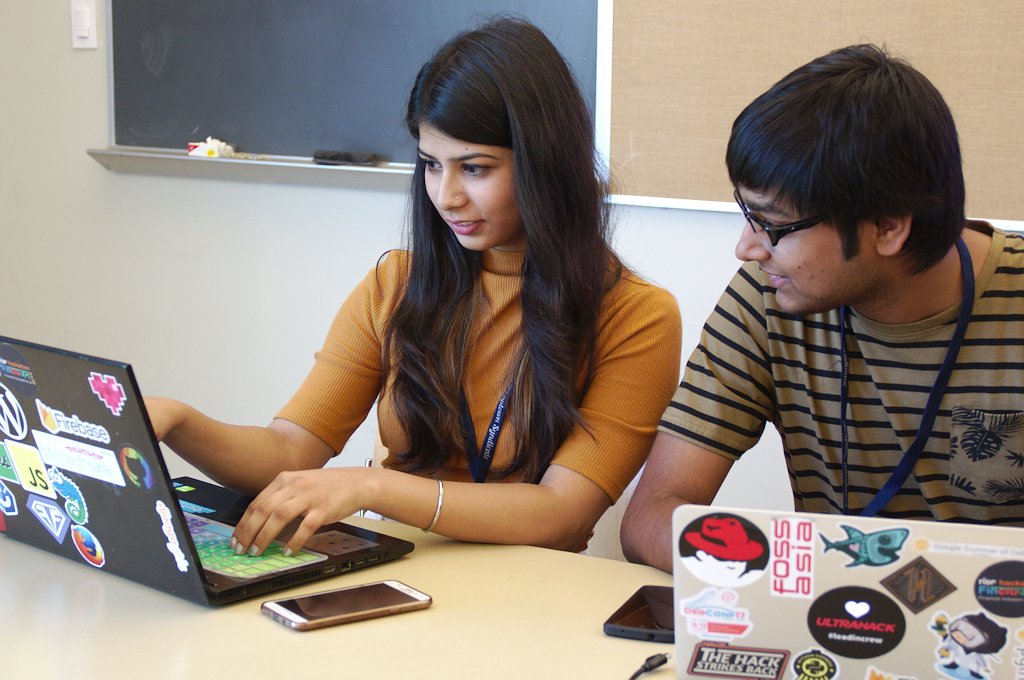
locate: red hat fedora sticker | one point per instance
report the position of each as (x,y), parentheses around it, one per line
(724,550)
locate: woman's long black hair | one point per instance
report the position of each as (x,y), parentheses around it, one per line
(504,84)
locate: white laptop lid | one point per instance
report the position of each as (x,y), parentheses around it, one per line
(770,594)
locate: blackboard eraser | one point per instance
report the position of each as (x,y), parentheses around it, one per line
(346,158)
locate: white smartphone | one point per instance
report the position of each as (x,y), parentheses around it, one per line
(354,603)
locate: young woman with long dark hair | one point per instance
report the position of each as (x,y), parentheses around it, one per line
(506,344)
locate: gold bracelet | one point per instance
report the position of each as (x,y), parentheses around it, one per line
(440,502)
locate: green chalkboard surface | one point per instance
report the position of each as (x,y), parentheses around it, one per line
(289,77)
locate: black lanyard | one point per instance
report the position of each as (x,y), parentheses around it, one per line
(480,459)
(931,409)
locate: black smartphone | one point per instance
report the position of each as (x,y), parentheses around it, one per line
(647,615)
(354,603)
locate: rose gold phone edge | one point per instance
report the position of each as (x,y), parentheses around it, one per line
(289,619)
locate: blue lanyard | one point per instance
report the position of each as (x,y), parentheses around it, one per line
(479,460)
(931,409)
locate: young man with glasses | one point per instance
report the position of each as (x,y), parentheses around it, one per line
(880,331)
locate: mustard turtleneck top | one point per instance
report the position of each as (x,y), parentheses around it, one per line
(637,370)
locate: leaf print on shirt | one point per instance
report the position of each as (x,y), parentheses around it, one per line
(982,440)
(984,458)
(1007,490)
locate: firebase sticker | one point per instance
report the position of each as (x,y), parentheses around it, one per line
(108,390)
(56,422)
(725,661)
(792,560)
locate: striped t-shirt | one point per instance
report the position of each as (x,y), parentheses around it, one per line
(756,364)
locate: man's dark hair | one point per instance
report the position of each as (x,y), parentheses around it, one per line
(856,134)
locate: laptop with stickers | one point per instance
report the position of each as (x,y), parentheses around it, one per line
(771,594)
(82,476)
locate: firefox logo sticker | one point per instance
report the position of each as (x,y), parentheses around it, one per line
(88,546)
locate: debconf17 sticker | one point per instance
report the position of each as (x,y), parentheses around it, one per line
(1000,589)
(856,622)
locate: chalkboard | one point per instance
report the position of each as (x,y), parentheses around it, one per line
(288,77)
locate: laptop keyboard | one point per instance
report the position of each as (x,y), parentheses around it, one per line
(211,541)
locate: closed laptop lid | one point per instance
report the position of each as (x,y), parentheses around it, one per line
(771,594)
(80,475)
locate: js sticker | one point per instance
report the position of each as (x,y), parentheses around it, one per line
(31,470)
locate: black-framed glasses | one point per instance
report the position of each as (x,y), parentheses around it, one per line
(775,231)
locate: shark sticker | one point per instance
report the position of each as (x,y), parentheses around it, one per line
(876,549)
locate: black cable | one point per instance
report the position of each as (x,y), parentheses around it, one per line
(652,662)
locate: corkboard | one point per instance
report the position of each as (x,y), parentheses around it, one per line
(683,69)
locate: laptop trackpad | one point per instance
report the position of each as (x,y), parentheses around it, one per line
(337,543)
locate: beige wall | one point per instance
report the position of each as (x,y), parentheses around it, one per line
(218,292)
